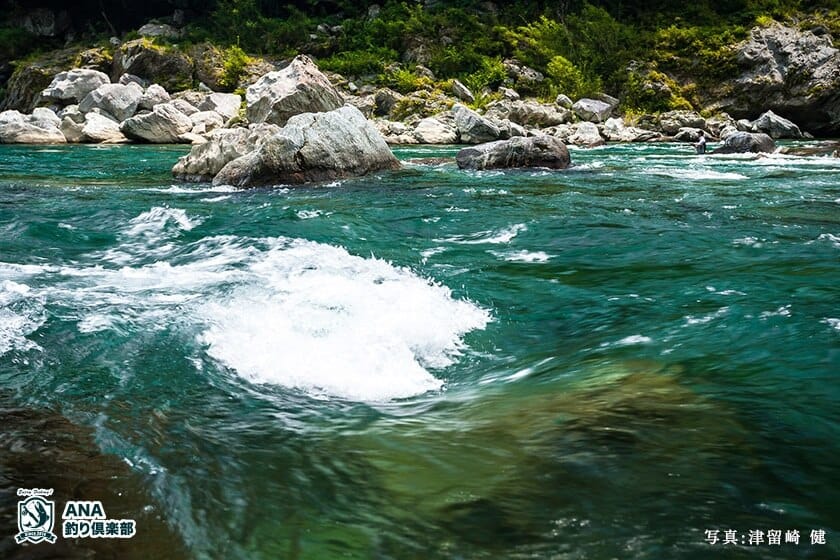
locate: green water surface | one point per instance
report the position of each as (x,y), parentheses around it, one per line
(602,362)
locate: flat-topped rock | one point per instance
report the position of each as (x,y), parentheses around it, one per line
(518,152)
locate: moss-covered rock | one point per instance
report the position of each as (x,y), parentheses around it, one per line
(31,76)
(164,65)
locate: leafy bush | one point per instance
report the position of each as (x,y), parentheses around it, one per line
(235,61)
(491,75)
(359,63)
(404,80)
(566,78)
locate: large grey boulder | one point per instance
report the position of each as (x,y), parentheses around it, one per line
(775,126)
(169,67)
(529,113)
(163,125)
(687,134)
(206,121)
(472,127)
(119,100)
(671,122)
(154,95)
(592,110)
(535,151)
(44,117)
(16,128)
(432,131)
(100,129)
(615,130)
(162,30)
(73,85)
(395,132)
(746,142)
(586,134)
(72,130)
(792,72)
(298,88)
(313,147)
(225,104)
(223,145)
(462,92)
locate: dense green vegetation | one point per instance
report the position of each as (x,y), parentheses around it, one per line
(654,54)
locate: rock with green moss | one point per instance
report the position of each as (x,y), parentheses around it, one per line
(166,66)
(791,72)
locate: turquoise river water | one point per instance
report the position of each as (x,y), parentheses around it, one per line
(604,362)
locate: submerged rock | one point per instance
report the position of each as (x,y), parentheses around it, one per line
(164,125)
(298,88)
(535,151)
(746,142)
(313,147)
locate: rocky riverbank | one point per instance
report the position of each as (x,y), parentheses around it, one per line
(84,105)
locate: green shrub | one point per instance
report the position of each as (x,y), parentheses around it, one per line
(359,63)
(235,61)
(491,75)
(404,80)
(566,78)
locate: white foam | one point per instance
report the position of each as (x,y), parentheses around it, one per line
(21,313)
(696,174)
(832,322)
(289,312)
(322,320)
(523,256)
(504,235)
(630,340)
(308,214)
(178,189)
(150,234)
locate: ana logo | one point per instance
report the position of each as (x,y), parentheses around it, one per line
(36,517)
